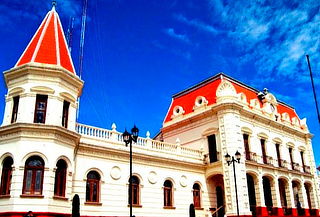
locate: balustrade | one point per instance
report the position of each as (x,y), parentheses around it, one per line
(155,145)
(307,169)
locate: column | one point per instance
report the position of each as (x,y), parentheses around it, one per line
(231,141)
(263,208)
(293,205)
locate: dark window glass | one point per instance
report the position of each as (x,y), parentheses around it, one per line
(41,109)
(196,196)
(278,153)
(167,186)
(263,148)
(135,191)
(246,145)
(15,109)
(6,176)
(60,179)
(93,187)
(33,176)
(291,160)
(302,160)
(213,155)
(65,114)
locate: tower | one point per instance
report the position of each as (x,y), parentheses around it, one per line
(38,137)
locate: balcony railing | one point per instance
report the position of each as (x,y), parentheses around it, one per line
(251,156)
(283,163)
(268,160)
(307,169)
(296,167)
(143,144)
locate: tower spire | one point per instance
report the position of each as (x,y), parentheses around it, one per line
(54,4)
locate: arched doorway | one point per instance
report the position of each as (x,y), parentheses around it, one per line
(252,194)
(283,195)
(297,195)
(216,192)
(267,194)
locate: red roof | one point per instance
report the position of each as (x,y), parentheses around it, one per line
(186,99)
(48,45)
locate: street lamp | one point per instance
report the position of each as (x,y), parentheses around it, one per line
(128,138)
(232,160)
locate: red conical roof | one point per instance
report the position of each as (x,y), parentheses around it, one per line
(48,45)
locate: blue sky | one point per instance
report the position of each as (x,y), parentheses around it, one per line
(139,53)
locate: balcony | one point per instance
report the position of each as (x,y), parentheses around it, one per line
(296,167)
(267,160)
(307,169)
(283,163)
(207,160)
(251,156)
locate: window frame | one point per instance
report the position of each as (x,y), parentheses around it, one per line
(196,198)
(60,179)
(135,191)
(15,107)
(40,99)
(65,114)
(6,176)
(34,170)
(168,194)
(90,188)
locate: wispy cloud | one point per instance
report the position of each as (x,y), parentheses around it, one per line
(197,24)
(275,35)
(182,37)
(10,10)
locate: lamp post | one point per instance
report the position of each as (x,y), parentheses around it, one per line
(232,160)
(128,138)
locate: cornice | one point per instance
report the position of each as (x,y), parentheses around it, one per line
(239,108)
(94,151)
(46,70)
(19,131)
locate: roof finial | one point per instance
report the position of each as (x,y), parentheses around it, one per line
(54,4)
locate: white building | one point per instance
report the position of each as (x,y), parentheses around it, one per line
(47,158)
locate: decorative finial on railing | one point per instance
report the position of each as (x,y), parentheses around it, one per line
(148,134)
(114,127)
(178,141)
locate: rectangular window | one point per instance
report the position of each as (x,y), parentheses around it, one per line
(212,148)
(65,114)
(41,109)
(302,161)
(263,148)
(291,160)
(15,109)
(246,146)
(278,154)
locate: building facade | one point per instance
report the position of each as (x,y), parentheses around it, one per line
(48,160)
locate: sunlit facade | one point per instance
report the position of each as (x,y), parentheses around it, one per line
(48,160)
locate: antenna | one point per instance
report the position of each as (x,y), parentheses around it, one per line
(83,30)
(313,89)
(69,34)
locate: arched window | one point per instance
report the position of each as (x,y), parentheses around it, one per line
(60,179)
(33,176)
(135,191)
(168,194)
(93,187)
(196,196)
(6,176)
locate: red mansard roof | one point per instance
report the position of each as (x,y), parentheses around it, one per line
(186,99)
(48,45)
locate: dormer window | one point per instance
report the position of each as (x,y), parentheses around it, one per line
(15,109)
(65,114)
(40,109)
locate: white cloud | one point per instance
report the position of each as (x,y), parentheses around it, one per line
(197,24)
(275,35)
(171,32)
